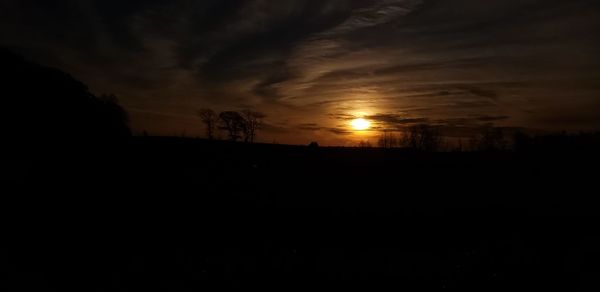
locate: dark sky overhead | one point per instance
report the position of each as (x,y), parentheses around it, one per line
(312,66)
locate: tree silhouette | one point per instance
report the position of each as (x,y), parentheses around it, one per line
(114,115)
(489,139)
(252,123)
(387,139)
(364,144)
(46,105)
(422,138)
(233,123)
(210,120)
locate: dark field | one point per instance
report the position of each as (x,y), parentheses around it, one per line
(174,214)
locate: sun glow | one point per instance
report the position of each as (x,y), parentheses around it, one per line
(360,124)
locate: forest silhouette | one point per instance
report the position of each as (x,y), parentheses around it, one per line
(45,107)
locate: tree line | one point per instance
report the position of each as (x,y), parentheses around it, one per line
(428,138)
(419,137)
(243,125)
(46,106)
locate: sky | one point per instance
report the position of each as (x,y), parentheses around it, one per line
(313,66)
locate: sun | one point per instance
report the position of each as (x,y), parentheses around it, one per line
(360,124)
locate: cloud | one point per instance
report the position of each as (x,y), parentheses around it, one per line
(471,121)
(310,127)
(396,119)
(492,118)
(339,131)
(401,61)
(274,128)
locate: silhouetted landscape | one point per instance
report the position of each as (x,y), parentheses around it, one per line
(96,202)
(93,207)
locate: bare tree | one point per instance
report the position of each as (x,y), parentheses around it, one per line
(364,144)
(252,123)
(423,138)
(233,123)
(388,139)
(210,120)
(459,147)
(490,139)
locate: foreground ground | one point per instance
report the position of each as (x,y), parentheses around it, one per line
(171,214)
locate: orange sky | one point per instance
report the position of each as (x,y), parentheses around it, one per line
(312,66)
